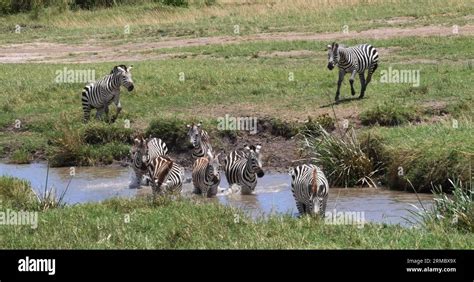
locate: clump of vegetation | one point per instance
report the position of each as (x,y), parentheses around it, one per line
(103,133)
(67,144)
(172,131)
(344,159)
(16,193)
(389,114)
(456,209)
(323,120)
(20,156)
(278,127)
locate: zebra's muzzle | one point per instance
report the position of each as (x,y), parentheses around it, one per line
(260,173)
(330,66)
(130,88)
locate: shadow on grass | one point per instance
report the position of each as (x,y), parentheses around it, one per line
(341,101)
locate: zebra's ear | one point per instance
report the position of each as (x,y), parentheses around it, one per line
(188,126)
(290,171)
(246,147)
(257,148)
(130,68)
(329,46)
(136,141)
(199,124)
(119,68)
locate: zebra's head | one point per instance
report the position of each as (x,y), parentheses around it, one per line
(255,158)
(139,150)
(194,133)
(125,76)
(317,200)
(214,164)
(333,55)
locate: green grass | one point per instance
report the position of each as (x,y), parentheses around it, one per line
(157,20)
(196,224)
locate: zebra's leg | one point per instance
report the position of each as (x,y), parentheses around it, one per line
(119,109)
(87,114)
(99,114)
(300,207)
(342,73)
(106,112)
(369,78)
(351,81)
(363,85)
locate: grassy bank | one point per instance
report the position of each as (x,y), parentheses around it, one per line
(185,223)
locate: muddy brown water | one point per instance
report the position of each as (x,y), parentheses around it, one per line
(272,196)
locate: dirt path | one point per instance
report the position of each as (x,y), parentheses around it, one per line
(56,53)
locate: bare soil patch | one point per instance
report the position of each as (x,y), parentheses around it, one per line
(41,52)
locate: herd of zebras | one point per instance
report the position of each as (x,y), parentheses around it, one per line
(241,167)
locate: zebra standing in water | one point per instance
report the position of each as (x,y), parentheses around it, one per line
(353,60)
(165,175)
(199,140)
(243,168)
(100,94)
(310,189)
(142,152)
(206,177)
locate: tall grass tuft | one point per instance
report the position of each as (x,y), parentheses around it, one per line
(456,209)
(48,199)
(344,159)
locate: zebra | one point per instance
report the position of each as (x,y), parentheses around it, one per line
(142,152)
(205,175)
(242,167)
(310,189)
(353,60)
(199,139)
(100,94)
(165,175)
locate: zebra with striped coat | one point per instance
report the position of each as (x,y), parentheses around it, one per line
(353,60)
(199,139)
(100,94)
(243,168)
(310,189)
(166,175)
(206,176)
(142,152)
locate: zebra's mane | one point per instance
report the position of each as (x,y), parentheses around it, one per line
(116,67)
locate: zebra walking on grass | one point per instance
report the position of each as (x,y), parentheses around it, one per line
(100,94)
(166,175)
(310,189)
(353,60)
(142,152)
(199,140)
(206,177)
(243,168)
